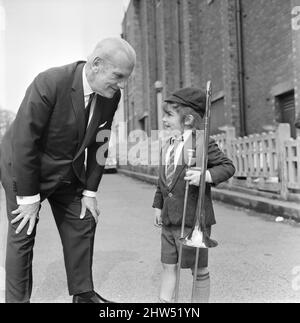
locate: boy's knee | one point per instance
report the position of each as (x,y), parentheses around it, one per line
(169,267)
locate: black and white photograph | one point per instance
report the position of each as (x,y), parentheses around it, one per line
(150,154)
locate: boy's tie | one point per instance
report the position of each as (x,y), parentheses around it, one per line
(170,170)
(170,166)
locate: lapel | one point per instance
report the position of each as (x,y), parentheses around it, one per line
(78,101)
(179,169)
(164,149)
(195,141)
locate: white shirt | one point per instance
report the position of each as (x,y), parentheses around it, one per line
(186,136)
(87,91)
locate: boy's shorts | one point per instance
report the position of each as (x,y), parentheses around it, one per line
(170,249)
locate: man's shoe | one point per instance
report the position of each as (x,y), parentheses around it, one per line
(96,298)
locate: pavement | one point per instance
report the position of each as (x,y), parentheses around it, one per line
(257,260)
(259,201)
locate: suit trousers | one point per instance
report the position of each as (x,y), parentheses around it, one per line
(77,237)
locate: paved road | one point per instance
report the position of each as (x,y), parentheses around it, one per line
(257,259)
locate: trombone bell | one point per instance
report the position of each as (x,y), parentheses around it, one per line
(199,239)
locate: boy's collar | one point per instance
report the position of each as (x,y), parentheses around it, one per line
(174,139)
(187,134)
(182,138)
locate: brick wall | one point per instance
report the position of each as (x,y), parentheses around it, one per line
(168,41)
(187,42)
(268,58)
(296,51)
(232,86)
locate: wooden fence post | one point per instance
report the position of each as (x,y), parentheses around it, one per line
(283,134)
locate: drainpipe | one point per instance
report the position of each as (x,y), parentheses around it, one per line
(241,69)
(179,43)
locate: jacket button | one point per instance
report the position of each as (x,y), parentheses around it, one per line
(170,195)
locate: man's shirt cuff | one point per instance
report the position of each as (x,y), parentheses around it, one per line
(89,193)
(25,200)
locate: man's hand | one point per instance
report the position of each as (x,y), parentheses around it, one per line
(27,213)
(89,203)
(157,218)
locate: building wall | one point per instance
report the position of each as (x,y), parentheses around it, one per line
(132,92)
(187,42)
(168,41)
(2,56)
(268,59)
(296,51)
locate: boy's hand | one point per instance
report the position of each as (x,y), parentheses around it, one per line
(193,177)
(157,218)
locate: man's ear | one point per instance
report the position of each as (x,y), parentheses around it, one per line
(189,120)
(97,64)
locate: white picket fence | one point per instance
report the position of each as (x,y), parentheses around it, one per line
(292,163)
(269,161)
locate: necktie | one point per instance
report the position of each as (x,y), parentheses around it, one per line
(88,110)
(170,170)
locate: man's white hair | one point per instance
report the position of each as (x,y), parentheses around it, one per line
(112,47)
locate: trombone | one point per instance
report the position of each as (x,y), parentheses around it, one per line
(198,236)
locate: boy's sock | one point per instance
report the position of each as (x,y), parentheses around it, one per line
(202,289)
(168,283)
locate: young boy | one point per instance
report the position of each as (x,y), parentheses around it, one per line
(183,113)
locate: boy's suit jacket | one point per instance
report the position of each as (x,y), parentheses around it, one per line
(46,142)
(171,199)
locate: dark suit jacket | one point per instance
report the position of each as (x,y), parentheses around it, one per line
(171,199)
(46,142)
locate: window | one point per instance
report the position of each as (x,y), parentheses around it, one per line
(286,103)
(142,123)
(218,118)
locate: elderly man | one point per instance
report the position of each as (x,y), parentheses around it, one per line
(43,157)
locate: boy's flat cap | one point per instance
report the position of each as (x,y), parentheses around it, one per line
(191,97)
